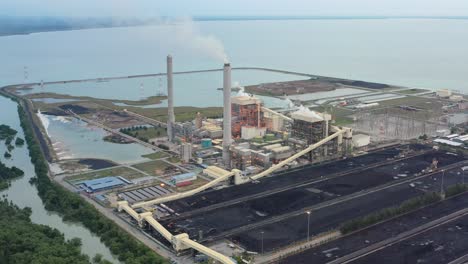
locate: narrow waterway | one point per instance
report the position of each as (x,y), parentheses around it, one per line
(23,194)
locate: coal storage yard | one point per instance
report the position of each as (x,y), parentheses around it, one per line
(280,214)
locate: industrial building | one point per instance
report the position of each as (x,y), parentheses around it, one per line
(253,135)
(186,152)
(309,127)
(444,93)
(247,117)
(183,179)
(102,184)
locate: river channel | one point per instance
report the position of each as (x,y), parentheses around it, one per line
(23,194)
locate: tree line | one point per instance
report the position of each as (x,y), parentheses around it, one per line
(387,213)
(7,174)
(73,208)
(8,134)
(22,241)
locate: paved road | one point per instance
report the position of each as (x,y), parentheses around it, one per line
(105,79)
(136,233)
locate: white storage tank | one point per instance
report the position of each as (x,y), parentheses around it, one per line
(444,93)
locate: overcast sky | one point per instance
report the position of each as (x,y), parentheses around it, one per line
(152,8)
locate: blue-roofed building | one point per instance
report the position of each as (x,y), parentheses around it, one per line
(102,184)
(183,177)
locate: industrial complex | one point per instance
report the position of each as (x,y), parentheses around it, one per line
(264,184)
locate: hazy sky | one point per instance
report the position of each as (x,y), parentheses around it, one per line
(151,8)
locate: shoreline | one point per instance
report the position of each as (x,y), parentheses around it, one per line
(57,197)
(26,31)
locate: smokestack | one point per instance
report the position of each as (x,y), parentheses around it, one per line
(227,135)
(170,100)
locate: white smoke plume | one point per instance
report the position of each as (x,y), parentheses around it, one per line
(190,35)
(304,110)
(241,91)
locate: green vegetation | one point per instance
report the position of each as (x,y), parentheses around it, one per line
(155,167)
(184,113)
(10,148)
(423,137)
(108,102)
(117,139)
(7,174)
(99,260)
(243,257)
(125,172)
(19,141)
(7,155)
(252,89)
(456,189)
(343,121)
(156,155)
(174,159)
(405,207)
(411,91)
(73,208)
(7,133)
(25,242)
(162,146)
(144,133)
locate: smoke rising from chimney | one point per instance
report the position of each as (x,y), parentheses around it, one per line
(188,34)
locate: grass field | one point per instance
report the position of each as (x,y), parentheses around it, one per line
(343,121)
(156,155)
(125,172)
(184,113)
(155,167)
(411,91)
(147,133)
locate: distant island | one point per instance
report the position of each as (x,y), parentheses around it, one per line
(27,25)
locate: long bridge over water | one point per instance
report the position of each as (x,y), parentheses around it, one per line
(105,79)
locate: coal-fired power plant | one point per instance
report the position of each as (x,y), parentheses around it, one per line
(170,100)
(227,135)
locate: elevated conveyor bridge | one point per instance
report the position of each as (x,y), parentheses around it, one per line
(180,241)
(224,175)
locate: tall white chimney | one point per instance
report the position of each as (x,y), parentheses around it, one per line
(170,100)
(227,135)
